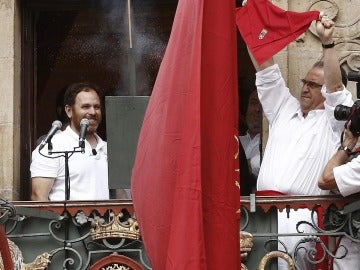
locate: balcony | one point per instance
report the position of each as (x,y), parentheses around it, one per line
(105,234)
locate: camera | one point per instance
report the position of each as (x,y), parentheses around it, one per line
(345,113)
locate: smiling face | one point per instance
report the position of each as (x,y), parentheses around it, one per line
(87,105)
(310,96)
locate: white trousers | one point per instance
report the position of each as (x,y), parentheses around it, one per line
(288,225)
(352,258)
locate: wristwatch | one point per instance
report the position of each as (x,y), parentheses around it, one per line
(328,46)
(346,149)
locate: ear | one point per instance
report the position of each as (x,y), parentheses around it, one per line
(68,110)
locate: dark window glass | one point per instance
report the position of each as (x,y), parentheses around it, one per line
(116,44)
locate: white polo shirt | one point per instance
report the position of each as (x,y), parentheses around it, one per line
(88,172)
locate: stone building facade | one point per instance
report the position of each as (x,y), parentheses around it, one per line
(294,61)
(10,65)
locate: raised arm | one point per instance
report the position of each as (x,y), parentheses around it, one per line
(332,74)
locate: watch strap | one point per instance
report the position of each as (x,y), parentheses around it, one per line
(328,46)
(346,149)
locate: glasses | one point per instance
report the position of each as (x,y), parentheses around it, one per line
(311,84)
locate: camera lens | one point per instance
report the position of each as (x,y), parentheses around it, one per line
(342,112)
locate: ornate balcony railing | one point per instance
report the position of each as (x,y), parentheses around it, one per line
(75,235)
(339,217)
(105,234)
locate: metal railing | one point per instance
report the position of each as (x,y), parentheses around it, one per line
(45,235)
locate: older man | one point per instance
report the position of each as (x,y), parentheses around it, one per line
(303,134)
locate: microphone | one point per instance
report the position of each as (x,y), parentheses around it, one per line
(56,125)
(84,124)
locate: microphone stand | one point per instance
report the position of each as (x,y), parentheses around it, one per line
(66,155)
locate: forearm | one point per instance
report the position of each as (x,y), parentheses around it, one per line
(273,92)
(332,73)
(327,180)
(39,197)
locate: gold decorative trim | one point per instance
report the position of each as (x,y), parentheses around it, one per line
(128,229)
(116,266)
(276,254)
(41,262)
(246,244)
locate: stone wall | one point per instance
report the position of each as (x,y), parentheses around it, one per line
(9,99)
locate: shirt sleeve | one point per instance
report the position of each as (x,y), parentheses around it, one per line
(42,166)
(347,177)
(272,91)
(343,97)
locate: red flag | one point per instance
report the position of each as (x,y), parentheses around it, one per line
(266,28)
(184,177)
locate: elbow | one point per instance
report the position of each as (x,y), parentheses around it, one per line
(37,196)
(322,184)
(335,87)
(327,183)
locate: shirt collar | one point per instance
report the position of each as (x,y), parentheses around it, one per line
(75,136)
(311,113)
(257,136)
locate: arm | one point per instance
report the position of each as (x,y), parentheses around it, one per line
(327,180)
(40,188)
(332,74)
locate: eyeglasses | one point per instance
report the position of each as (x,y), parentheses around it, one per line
(311,84)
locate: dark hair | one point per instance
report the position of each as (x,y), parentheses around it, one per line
(75,88)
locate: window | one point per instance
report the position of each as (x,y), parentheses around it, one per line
(117,44)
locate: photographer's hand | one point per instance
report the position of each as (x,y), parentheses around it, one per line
(350,139)
(327,180)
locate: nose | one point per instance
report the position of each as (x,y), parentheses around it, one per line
(305,88)
(92,110)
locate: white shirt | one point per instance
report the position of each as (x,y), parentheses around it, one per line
(347,177)
(298,148)
(252,151)
(88,172)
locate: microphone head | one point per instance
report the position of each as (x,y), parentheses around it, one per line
(85,122)
(57,124)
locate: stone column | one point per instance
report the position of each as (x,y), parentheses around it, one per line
(10,61)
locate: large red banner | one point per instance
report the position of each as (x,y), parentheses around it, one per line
(184,177)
